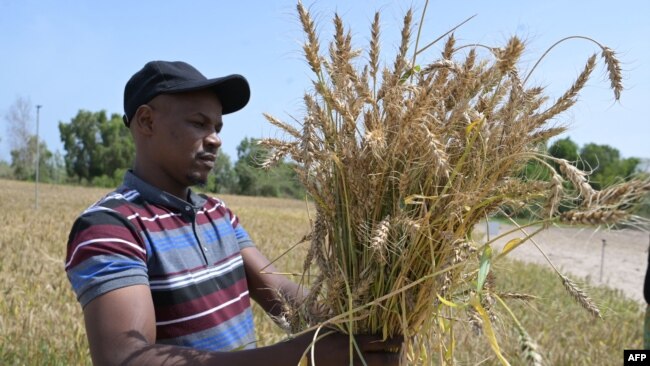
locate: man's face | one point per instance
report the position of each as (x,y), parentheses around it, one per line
(186,137)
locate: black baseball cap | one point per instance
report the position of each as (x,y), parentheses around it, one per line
(169,77)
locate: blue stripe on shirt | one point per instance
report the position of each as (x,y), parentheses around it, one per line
(227,338)
(175,241)
(223,230)
(93,269)
(241,234)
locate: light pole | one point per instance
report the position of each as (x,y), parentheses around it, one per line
(38,153)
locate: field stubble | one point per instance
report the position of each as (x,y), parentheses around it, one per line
(41,322)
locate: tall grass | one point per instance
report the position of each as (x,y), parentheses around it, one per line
(41,322)
(404,158)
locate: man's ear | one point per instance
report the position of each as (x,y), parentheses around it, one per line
(143,120)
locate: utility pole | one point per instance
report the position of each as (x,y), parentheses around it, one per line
(38,153)
(602,260)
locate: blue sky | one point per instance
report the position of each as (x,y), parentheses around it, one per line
(69,55)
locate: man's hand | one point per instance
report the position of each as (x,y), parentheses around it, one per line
(334,349)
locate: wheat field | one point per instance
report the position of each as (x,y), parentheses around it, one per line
(41,322)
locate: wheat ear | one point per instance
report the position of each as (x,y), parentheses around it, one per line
(312,46)
(614,71)
(529,348)
(593,217)
(580,296)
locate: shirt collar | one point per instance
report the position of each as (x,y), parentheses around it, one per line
(160,197)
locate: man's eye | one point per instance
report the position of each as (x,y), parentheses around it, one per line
(197,123)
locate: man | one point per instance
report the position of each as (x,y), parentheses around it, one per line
(646,295)
(164,275)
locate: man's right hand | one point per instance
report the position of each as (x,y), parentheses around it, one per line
(334,349)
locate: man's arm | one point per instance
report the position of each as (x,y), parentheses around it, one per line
(264,282)
(121,330)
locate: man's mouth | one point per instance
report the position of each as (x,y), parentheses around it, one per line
(207,158)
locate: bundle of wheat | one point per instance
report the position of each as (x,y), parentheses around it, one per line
(403,161)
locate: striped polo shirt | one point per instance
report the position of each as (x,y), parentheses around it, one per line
(187,252)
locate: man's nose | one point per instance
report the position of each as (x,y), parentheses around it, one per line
(213,139)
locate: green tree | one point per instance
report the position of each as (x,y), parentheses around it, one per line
(249,154)
(223,178)
(23,162)
(564,149)
(279,181)
(58,168)
(5,170)
(98,149)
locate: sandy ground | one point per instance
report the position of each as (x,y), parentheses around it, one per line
(579,252)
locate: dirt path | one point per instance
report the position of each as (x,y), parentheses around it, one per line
(579,251)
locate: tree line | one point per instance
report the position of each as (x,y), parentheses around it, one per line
(99,149)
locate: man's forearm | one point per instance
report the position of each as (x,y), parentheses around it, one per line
(280,354)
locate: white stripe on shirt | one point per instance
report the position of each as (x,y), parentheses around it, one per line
(204,313)
(198,276)
(110,240)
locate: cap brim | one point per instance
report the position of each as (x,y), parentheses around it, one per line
(233,91)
